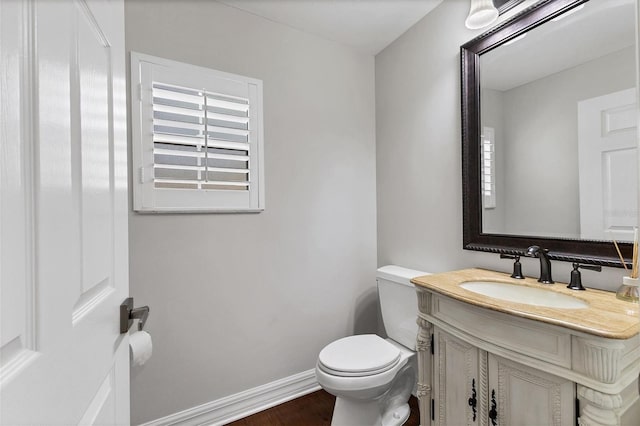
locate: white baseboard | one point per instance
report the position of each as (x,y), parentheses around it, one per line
(243,404)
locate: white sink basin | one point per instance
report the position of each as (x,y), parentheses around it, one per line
(522,294)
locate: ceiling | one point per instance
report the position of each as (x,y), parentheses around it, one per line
(365,25)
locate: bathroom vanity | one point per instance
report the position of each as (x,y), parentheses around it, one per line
(524,354)
(493,350)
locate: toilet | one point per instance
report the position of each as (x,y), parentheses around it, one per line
(371,377)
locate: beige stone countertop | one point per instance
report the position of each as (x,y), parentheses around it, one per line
(605,316)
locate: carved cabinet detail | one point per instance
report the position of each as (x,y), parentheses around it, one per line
(473,387)
(488,368)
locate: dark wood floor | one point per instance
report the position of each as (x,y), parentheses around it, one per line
(314,409)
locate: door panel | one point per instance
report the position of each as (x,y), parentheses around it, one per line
(17,293)
(455,375)
(64,207)
(525,396)
(91,127)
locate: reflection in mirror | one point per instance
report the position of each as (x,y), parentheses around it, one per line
(558,127)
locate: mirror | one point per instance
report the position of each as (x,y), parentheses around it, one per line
(549,132)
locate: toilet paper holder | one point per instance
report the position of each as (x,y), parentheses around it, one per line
(128,313)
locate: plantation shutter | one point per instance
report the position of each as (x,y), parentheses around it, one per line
(488,168)
(200,138)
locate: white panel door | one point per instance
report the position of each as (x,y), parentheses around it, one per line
(63,213)
(608,166)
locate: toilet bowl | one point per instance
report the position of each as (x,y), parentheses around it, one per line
(378,389)
(371,377)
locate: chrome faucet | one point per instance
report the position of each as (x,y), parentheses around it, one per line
(545,263)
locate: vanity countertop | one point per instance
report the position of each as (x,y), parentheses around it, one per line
(605,316)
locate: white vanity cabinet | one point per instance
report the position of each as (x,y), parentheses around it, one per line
(456,366)
(526,396)
(528,371)
(474,387)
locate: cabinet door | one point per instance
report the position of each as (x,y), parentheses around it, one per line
(455,380)
(524,396)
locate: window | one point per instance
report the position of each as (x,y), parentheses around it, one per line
(488,168)
(197,138)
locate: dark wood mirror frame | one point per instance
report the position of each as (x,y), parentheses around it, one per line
(569,250)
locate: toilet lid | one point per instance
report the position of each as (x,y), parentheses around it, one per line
(361,355)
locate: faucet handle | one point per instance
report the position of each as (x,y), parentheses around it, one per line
(517,266)
(576,276)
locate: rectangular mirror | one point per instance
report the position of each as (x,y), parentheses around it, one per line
(550,151)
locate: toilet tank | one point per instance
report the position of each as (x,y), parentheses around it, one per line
(399,303)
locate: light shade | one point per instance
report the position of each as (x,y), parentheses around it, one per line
(481,14)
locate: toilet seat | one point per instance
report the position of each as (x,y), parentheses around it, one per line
(358,356)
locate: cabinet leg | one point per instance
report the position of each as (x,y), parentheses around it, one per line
(423,348)
(600,409)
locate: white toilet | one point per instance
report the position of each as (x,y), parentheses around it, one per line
(371,377)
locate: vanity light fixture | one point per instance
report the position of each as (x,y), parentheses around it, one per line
(569,12)
(481,14)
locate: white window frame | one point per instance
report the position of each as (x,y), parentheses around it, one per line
(146,69)
(488,167)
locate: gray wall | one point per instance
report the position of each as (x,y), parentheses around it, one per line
(240,300)
(419,150)
(541,134)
